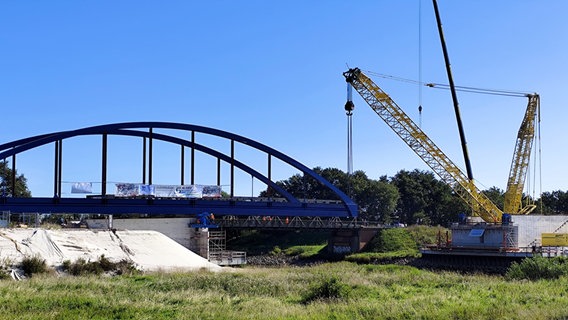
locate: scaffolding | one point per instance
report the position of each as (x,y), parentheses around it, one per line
(212,245)
(217,242)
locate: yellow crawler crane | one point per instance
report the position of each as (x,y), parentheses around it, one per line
(521,158)
(425,148)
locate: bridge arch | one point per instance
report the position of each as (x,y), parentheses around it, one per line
(11,149)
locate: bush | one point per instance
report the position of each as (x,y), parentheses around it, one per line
(33,265)
(105,264)
(82,267)
(537,268)
(327,289)
(276,250)
(124,267)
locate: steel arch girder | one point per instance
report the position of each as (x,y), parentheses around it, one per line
(18,146)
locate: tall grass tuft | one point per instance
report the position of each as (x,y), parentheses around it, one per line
(327,289)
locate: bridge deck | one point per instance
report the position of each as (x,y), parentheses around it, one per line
(233,207)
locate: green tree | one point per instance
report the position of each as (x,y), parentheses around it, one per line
(376,198)
(306,187)
(555,202)
(424,199)
(6,176)
(496,195)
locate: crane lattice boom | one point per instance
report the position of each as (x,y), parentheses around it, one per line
(521,158)
(425,148)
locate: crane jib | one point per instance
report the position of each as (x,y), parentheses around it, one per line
(425,148)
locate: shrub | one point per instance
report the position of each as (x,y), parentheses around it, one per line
(124,267)
(103,264)
(66,264)
(327,289)
(33,265)
(537,268)
(83,267)
(276,250)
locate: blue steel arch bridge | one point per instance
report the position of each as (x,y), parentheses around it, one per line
(261,212)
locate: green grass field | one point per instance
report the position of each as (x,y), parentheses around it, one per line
(341,290)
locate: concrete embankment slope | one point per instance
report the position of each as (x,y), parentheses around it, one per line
(148,250)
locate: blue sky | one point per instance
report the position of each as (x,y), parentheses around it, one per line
(272,71)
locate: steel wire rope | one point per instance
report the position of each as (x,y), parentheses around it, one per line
(420,63)
(498,92)
(511,93)
(539,158)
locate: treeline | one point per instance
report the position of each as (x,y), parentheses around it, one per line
(409,197)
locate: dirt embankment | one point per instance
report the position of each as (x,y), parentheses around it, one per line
(147,250)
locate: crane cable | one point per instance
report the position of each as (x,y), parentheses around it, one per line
(510,93)
(539,157)
(420,63)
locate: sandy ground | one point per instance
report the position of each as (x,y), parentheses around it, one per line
(148,250)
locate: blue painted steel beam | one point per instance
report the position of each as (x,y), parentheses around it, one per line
(18,146)
(219,207)
(212,152)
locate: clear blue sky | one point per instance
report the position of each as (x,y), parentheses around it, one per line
(272,71)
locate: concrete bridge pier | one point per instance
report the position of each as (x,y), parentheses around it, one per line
(199,241)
